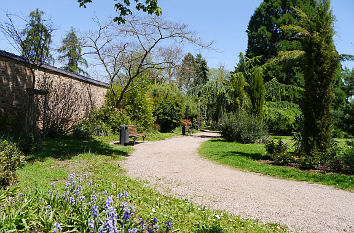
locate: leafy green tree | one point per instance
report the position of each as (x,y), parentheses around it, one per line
(72,53)
(123,7)
(168,106)
(266,39)
(201,69)
(257,92)
(321,62)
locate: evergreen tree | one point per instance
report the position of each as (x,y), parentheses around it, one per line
(72,53)
(37,33)
(266,39)
(201,69)
(238,84)
(321,62)
(257,92)
(187,73)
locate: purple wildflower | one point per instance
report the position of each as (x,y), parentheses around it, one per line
(72,201)
(48,207)
(82,198)
(72,176)
(95,210)
(126,215)
(91,225)
(168,226)
(57,227)
(109,202)
(132,230)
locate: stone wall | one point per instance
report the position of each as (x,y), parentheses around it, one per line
(71,97)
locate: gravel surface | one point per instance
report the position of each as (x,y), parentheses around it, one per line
(174,167)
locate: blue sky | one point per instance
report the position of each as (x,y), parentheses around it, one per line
(223,21)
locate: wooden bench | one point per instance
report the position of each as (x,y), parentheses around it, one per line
(133,133)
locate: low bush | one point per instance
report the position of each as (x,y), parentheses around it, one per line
(241,127)
(102,122)
(278,152)
(11,158)
(348,157)
(80,207)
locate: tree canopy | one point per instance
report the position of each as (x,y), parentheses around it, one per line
(123,7)
(37,38)
(267,39)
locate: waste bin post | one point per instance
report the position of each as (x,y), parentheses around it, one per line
(183,130)
(124,135)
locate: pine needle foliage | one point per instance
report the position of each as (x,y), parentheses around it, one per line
(71,51)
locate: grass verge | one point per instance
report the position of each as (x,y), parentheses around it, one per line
(247,156)
(59,158)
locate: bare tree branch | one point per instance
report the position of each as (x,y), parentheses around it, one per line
(141,44)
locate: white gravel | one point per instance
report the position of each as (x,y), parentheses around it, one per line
(174,167)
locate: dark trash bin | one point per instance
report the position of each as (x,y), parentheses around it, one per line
(124,135)
(184,130)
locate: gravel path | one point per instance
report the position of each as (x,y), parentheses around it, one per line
(174,167)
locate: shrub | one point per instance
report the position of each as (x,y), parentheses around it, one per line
(348,157)
(168,106)
(11,158)
(341,159)
(102,122)
(241,127)
(282,117)
(278,152)
(80,207)
(91,127)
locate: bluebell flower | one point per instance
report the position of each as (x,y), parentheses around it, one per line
(168,226)
(154,220)
(72,176)
(91,225)
(48,207)
(95,210)
(126,215)
(109,202)
(79,179)
(126,194)
(141,223)
(72,201)
(52,185)
(85,175)
(93,198)
(123,205)
(73,182)
(82,198)
(132,230)
(57,227)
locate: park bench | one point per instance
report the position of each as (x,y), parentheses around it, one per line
(133,133)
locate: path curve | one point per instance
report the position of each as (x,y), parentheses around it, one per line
(174,167)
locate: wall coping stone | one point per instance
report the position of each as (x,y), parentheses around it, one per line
(55,69)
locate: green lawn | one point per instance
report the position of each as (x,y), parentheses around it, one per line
(247,156)
(58,158)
